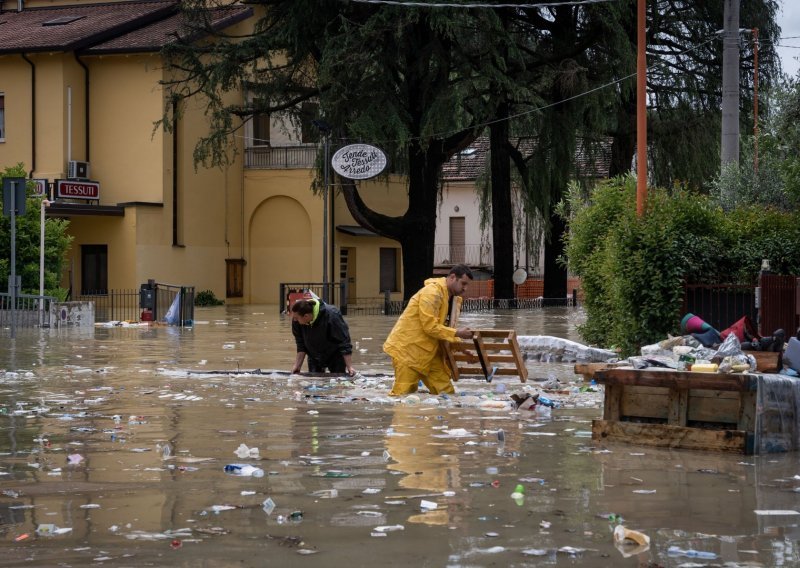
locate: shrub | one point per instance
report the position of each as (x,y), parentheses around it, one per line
(207,298)
(633,269)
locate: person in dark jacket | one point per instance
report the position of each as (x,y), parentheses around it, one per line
(321,333)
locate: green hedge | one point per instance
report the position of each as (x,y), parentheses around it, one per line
(633,269)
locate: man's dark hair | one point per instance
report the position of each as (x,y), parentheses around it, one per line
(460,270)
(303,307)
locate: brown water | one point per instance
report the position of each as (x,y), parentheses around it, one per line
(115,397)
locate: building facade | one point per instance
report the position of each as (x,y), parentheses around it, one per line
(80,98)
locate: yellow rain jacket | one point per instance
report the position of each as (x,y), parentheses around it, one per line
(414,340)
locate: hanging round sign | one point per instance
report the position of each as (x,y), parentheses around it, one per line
(519,277)
(358,161)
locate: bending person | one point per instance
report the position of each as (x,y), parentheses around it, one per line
(321,333)
(414,342)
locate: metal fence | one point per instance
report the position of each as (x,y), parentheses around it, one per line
(30,311)
(473,255)
(720,305)
(331,293)
(114,305)
(280,157)
(779,304)
(387,306)
(124,305)
(166,294)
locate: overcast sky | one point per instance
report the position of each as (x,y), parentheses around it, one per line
(789,21)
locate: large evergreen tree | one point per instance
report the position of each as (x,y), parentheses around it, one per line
(684,84)
(398,77)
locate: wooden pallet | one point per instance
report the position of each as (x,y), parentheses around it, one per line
(678,409)
(491,352)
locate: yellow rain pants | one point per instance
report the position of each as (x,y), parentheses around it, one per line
(414,342)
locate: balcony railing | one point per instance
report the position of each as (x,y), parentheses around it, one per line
(280,157)
(473,255)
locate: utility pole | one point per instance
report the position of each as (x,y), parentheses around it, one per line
(755,99)
(641,108)
(730,83)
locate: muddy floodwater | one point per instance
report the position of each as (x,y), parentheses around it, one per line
(114,444)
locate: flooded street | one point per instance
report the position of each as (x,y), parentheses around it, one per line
(114,442)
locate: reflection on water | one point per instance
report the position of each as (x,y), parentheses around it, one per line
(86,418)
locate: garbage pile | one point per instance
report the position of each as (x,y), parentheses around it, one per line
(704,349)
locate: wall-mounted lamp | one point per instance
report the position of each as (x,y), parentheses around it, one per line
(455,208)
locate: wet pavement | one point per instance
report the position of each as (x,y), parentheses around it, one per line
(114,444)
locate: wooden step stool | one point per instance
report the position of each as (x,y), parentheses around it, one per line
(491,352)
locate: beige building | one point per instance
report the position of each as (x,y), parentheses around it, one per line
(79,97)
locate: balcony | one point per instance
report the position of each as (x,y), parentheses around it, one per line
(472,255)
(280,157)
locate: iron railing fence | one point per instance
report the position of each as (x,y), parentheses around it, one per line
(124,304)
(112,305)
(720,305)
(280,157)
(30,310)
(470,254)
(780,305)
(330,292)
(166,295)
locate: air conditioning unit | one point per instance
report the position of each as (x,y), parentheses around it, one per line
(77,170)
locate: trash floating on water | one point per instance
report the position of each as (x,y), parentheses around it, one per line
(428,505)
(389,528)
(535,552)
(622,534)
(220,508)
(268,505)
(243,452)
(691,553)
(50,529)
(244,470)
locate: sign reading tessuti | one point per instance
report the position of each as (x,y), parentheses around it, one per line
(70,189)
(359,161)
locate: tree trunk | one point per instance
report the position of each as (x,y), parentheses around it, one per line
(502,224)
(562,125)
(623,145)
(419,222)
(555,275)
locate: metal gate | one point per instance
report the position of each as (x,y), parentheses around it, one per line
(778,307)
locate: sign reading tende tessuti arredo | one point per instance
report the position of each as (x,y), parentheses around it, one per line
(71,189)
(358,161)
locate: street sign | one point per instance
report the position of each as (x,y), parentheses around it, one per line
(17,185)
(71,189)
(40,189)
(359,161)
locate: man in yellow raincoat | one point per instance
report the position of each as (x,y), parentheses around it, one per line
(414,343)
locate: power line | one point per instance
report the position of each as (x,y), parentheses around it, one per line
(549,105)
(478,5)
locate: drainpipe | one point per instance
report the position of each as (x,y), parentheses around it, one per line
(85,101)
(33,110)
(175,172)
(20,5)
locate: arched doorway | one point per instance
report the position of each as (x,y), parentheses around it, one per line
(280,247)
